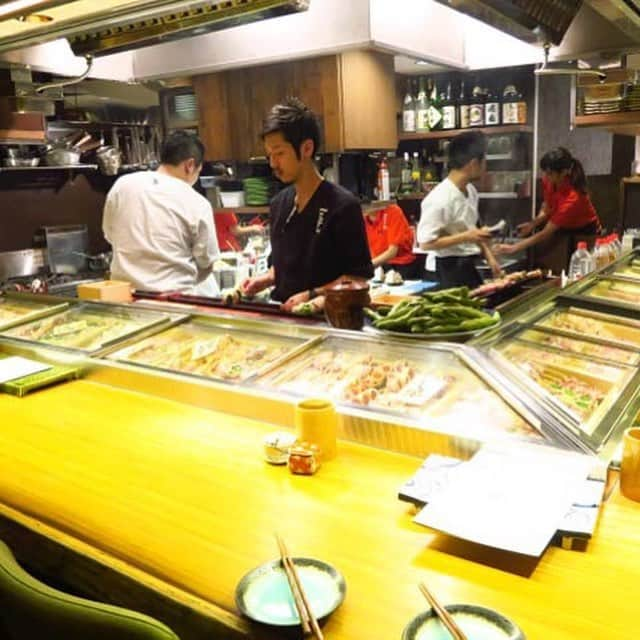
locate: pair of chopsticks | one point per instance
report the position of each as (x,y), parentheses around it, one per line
(445,617)
(307,619)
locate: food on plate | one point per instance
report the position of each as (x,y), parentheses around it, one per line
(597,327)
(309,308)
(564,343)
(206,353)
(393,277)
(438,389)
(446,311)
(85,328)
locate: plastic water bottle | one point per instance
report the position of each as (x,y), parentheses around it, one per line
(581,262)
(617,245)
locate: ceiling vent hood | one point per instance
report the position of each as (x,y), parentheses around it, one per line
(124,26)
(534,21)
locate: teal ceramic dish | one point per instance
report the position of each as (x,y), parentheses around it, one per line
(264,594)
(477,623)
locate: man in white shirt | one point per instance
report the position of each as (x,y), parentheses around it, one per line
(449,216)
(161,229)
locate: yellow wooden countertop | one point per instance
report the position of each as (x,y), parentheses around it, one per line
(184,495)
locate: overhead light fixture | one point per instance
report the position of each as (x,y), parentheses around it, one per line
(545,70)
(22,8)
(423,63)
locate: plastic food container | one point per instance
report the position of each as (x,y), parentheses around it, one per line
(232,198)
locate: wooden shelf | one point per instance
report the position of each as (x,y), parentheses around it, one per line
(489,157)
(450,133)
(622,122)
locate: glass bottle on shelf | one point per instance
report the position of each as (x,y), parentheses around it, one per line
(406,183)
(514,107)
(430,171)
(491,109)
(415,173)
(448,109)
(463,108)
(476,107)
(409,110)
(435,111)
(422,107)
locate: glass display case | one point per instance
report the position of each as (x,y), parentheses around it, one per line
(87,327)
(614,289)
(433,386)
(18,309)
(207,350)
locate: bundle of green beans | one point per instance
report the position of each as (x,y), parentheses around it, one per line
(446,311)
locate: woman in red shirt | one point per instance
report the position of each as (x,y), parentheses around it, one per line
(390,240)
(567,206)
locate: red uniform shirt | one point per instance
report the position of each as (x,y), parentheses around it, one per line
(224,223)
(388,227)
(567,207)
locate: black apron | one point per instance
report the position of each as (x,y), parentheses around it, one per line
(457,271)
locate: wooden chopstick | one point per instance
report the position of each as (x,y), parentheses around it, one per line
(445,617)
(307,618)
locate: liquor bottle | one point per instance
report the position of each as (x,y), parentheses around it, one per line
(463,108)
(514,108)
(476,107)
(435,111)
(448,109)
(491,109)
(383,180)
(415,173)
(422,107)
(409,110)
(406,183)
(430,171)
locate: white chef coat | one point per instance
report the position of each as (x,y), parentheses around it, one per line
(445,211)
(162,234)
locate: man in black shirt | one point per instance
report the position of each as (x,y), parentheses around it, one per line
(317,231)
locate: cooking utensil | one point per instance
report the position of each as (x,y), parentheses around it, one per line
(26,262)
(21,162)
(84,139)
(61,157)
(109,160)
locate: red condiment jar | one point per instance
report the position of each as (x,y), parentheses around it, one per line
(345,302)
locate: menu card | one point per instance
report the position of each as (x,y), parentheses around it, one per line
(15,367)
(509,497)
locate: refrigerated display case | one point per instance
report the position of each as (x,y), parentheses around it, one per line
(434,386)
(88,327)
(18,309)
(614,289)
(203,348)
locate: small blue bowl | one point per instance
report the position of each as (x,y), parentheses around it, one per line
(477,623)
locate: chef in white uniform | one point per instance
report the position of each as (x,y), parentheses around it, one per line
(161,229)
(449,216)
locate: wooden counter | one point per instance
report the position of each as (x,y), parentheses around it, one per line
(179,498)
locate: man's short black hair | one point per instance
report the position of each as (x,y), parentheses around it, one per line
(295,121)
(181,145)
(468,146)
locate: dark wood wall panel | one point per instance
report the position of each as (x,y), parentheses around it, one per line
(29,200)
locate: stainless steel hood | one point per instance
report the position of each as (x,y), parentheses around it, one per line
(535,21)
(114,26)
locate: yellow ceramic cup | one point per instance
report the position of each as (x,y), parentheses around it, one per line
(630,467)
(316,422)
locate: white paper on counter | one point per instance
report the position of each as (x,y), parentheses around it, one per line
(509,497)
(16,367)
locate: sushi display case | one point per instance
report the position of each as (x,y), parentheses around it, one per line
(88,328)
(17,309)
(581,363)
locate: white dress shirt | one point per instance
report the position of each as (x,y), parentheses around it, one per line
(446,211)
(162,234)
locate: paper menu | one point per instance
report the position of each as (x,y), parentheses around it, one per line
(509,497)
(15,367)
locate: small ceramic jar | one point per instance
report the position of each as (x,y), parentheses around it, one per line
(345,302)
(304,459)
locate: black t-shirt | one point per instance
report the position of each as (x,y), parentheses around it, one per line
(317,245)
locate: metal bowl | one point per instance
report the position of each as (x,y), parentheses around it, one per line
(21,162)
(62,157)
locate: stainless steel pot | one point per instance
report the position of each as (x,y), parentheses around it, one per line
(27,262)
(21,162)
(62,157)
(109,160)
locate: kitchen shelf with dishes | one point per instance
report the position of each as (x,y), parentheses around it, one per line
(451,133)
(67,167)
(483,195)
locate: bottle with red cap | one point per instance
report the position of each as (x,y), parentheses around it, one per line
(600,255)
(581,263)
